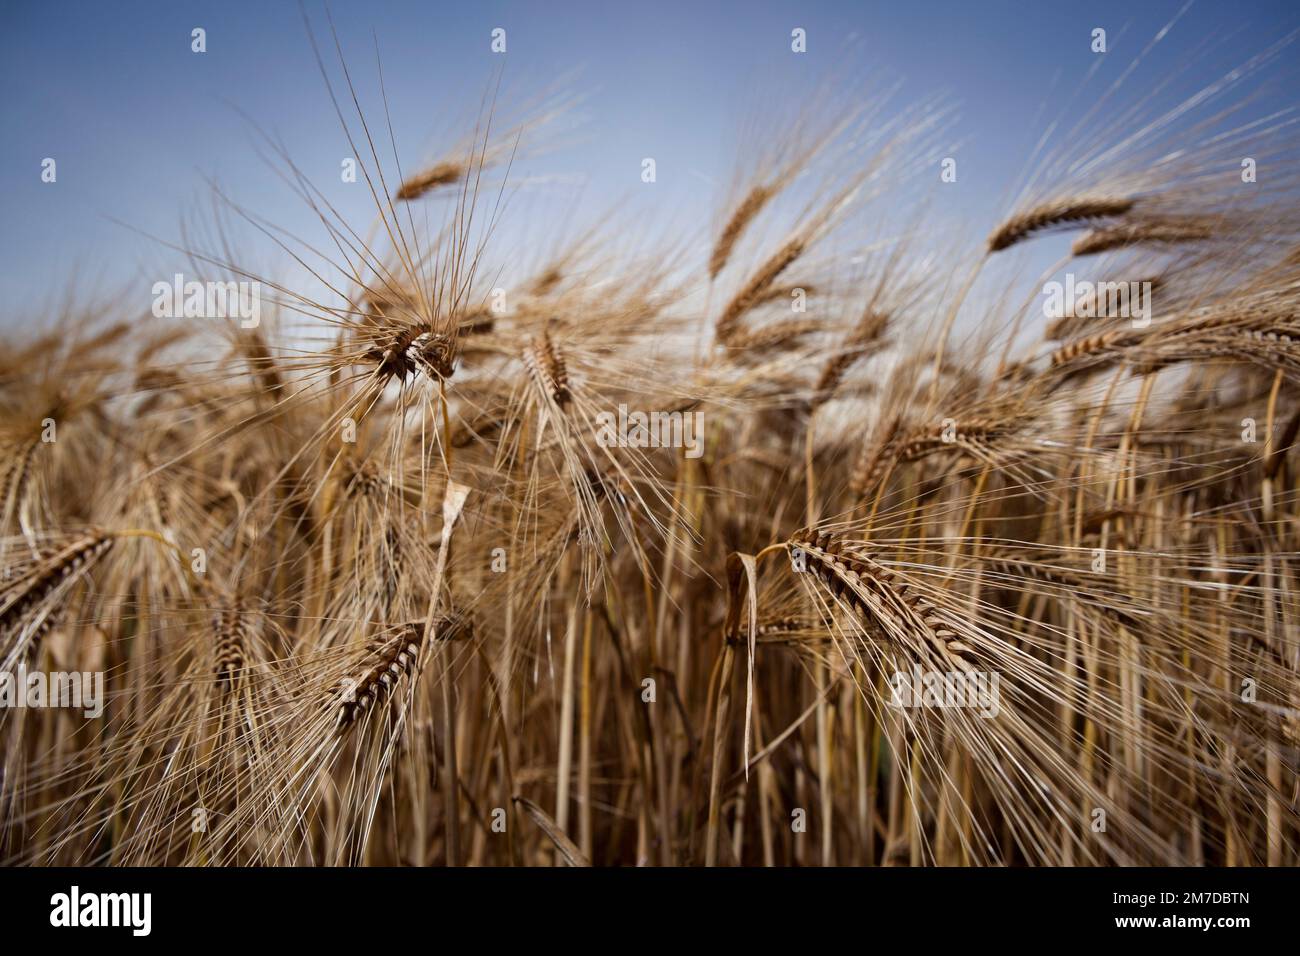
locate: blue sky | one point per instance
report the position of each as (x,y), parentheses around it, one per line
(138,123)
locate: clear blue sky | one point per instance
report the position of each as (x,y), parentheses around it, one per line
(136,121)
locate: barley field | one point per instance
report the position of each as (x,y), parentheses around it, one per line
(816,542)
